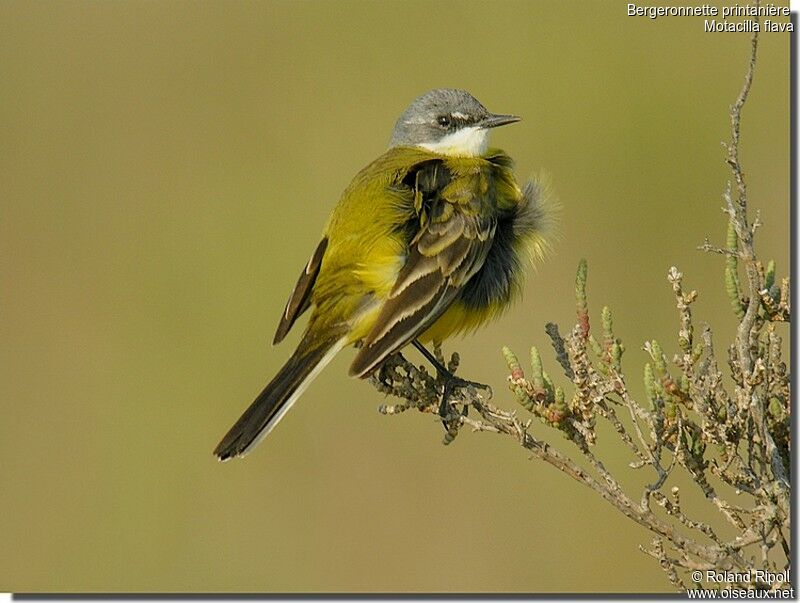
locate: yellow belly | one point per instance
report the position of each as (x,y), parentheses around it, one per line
(458,319)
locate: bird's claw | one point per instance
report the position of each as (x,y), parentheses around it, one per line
(451,384)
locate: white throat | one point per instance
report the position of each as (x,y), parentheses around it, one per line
(466,142)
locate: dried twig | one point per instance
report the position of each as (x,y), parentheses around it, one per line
(691,420)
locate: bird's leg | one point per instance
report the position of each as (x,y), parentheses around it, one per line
(451,383)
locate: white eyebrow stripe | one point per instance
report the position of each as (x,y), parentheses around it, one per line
(459,115)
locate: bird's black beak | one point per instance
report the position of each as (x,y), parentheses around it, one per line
(493,120)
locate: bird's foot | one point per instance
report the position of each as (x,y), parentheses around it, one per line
(450,391)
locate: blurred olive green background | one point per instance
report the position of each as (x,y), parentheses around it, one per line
(167,169)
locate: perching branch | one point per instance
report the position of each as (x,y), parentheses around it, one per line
(732,441)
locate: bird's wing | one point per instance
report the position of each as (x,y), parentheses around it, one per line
(299,300)
(452,241)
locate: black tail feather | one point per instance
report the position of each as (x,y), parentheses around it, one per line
(268,408)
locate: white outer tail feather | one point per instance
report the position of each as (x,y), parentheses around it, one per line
(335,349)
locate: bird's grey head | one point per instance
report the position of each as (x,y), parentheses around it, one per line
(447,121)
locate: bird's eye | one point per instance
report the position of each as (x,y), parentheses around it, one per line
(444,121)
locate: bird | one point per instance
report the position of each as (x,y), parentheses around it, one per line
(430,240)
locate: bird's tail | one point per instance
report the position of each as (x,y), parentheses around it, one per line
(277,397)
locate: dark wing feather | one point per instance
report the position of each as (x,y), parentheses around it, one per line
(401,319)
(300,299)
(442,257)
